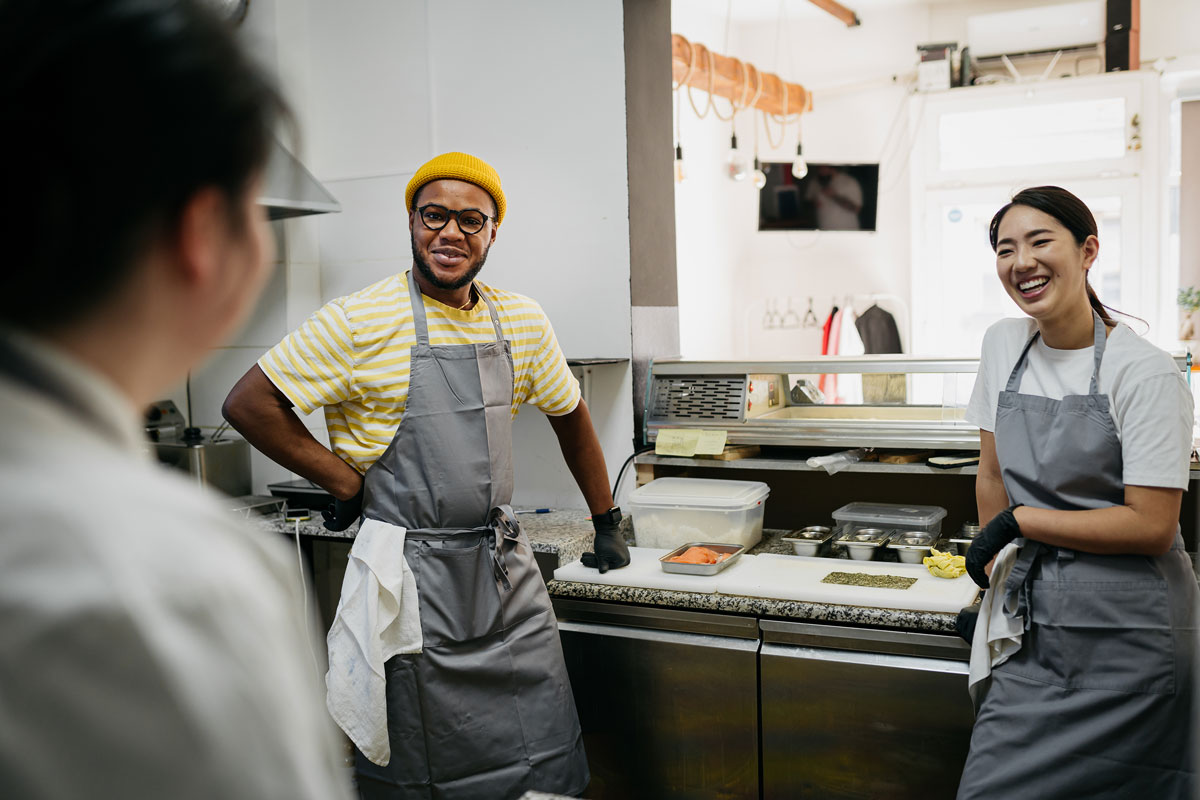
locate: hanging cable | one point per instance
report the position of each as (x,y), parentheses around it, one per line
(688,86)
(732,104)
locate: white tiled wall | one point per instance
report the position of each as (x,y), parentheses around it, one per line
(537,89)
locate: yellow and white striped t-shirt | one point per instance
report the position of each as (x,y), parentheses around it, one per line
(352,357)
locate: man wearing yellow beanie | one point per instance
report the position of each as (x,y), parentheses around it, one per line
(420,375)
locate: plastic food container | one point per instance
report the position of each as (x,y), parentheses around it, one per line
(734,550)
(669,512)
(862,543)
(912,546)
(807,541)
(891,515)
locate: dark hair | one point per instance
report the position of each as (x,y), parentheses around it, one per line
(113,114)
(1074,215)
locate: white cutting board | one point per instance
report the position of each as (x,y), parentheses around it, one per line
(783,577)
(645,572)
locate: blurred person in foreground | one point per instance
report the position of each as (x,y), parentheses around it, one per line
(150,645)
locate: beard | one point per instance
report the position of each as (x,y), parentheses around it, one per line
(428,274)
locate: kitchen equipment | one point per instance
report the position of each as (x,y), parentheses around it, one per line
(862,543)
(962,541)
(301,493)
(912,546)
(223,464)
(807,541)
(891,515)
(252,504)
(733,551)
(669,512)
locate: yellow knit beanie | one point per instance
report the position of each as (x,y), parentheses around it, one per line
(459,167)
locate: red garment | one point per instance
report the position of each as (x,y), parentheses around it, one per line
(829,342)
(825,329)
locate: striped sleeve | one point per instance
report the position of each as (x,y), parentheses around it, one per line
(314,365)
(552,387)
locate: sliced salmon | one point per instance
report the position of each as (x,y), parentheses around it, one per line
(699,555)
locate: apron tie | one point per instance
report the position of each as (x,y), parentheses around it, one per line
(1018,589)
(505,527)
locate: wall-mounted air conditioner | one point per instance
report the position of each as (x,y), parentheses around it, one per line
(1031,30)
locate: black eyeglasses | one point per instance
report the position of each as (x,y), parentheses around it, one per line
(435,217)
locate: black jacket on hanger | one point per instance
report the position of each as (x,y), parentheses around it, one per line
(878,331)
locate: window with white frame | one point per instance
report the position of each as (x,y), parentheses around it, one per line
(974,148)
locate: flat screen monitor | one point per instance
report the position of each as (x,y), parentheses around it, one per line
(831,197)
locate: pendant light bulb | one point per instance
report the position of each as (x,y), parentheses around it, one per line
(799,165)
(737,164)
(680,171)
(758,176)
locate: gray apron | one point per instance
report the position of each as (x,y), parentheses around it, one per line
(1098,700)
(486,710)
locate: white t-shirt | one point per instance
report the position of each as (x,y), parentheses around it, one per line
(1148,397)
(151,645)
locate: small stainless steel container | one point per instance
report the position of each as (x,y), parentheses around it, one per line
(912,546)
(965,537)
(862,543)
(734,551)
(807,541)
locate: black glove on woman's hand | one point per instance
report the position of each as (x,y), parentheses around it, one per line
(341,514)
(609,545)
(1000,531)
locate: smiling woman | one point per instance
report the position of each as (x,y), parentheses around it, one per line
(1046,240)
(1086,428)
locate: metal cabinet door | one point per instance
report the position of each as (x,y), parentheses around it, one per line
(877,726)
(665,714)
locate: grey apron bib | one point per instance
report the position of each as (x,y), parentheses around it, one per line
(486,711)
(1098,700)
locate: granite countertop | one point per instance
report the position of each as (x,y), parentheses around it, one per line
(568,533)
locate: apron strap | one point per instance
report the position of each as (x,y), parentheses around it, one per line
(1014,377)
(495,320)
(416,301)
(1100,338)
(421,327)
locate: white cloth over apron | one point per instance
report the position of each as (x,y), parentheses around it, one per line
(998,631)
(377,617)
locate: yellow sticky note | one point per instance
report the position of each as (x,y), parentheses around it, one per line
(710,443)
(677,442)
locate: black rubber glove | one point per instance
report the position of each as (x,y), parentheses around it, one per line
(609,545)
(341,514)
(966,621)
(991,540)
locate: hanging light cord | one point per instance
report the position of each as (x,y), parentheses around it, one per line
(688,86)
(781,120)
(732,104)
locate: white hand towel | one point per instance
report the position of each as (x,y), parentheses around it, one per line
(377,617)
(998,632)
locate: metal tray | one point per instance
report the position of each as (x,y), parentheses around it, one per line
(912,546)
(808,541)
(734,550)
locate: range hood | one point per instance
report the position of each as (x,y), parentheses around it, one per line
(290,190)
